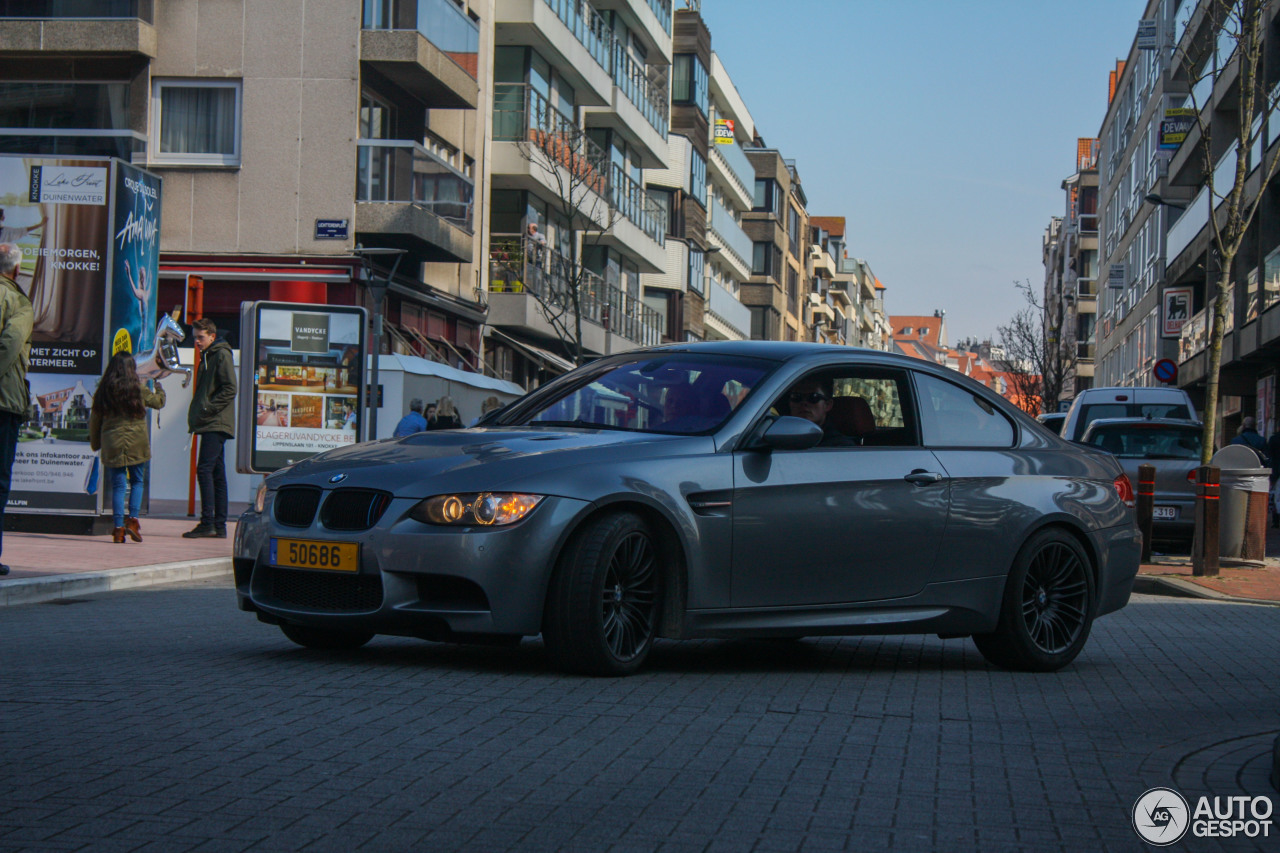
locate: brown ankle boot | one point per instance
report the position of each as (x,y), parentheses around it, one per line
(131,527)
(117,534)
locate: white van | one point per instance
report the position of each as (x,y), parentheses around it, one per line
(1094,403)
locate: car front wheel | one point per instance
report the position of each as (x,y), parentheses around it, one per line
(325,638)
(1047,608)
(602,607)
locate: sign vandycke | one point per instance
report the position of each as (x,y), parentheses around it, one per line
(1116,276)
(333,229)
(67,184)
(724,131)
(1175,311)
(310,332)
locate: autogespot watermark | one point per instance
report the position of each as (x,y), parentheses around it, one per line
(1162,816)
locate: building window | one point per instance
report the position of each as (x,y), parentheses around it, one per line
(689,80)
(768,198)
(793,232)
(196,122)
(697,263)
(698,177)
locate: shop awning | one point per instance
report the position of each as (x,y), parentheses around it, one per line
(247,272)
(538,354)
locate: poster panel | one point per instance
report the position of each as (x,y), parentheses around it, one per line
(1177,310)
(135,262)
(57,211)
(308,381)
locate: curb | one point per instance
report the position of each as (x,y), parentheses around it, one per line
(1178,588)
(53,587)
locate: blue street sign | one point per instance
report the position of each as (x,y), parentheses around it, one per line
(332,229)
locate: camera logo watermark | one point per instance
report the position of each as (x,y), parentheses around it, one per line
(1162,817)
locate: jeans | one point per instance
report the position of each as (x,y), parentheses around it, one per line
(136,475)
(10,424)
(211,474)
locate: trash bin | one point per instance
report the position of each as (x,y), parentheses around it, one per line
(1242,515)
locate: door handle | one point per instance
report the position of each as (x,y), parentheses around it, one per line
(922,477)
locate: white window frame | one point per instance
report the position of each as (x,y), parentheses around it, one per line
(158,85)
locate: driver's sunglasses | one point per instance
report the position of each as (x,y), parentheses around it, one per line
(813,397)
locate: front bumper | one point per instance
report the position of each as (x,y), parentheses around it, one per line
(414,579)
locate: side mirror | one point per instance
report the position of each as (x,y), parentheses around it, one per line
(790,433)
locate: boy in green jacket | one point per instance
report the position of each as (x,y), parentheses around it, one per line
(212,417)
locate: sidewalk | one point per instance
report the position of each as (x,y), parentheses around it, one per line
(46,567)
(1171,575)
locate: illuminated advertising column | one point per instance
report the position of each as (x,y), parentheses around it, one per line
(302,381)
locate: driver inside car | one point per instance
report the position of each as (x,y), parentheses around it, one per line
(812,398)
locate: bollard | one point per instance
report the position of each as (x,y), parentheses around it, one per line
(1205,548)
(1146,505)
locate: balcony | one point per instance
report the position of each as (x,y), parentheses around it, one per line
(843,292)
(730,312)
(734,243)
(78,27)
(731,166)
(538,149)
(1194,336)
(1182,232)
(640,231)
(1086,350)
(430,48)
(635,81)
(529,281)
(128,145)
(570,34)
(413,199)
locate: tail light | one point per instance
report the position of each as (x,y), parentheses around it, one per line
(1191,476)
(1124,489)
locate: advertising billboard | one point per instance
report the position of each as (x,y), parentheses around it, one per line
(306,373)
(136,260)
(66,215)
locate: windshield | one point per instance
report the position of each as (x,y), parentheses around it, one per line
(1138,441)
(669,393)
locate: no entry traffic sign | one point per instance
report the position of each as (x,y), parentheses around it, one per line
(1166,370)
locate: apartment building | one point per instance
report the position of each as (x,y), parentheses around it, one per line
(580,111)
(1132,164)
(1251,346)
(286,134)
(779,231)
(1070,256)
(857,293)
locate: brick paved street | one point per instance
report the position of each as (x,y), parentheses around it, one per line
(163,719)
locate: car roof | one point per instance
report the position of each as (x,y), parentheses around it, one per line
(1173,422)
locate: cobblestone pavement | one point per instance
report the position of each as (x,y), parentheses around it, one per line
(163,719)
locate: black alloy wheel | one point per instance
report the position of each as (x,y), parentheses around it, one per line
(605,597)
(1047,608)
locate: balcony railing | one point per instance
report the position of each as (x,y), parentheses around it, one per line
(1086,350)
(81,9)
(81,142)
(521,114)
(731,234)
(635,203)
(440,22)
(1086,287)
(729,308)
(588,27)
(662,8)
(1182,232)
(520,265)
(633,79)
(739,166)
(393,170)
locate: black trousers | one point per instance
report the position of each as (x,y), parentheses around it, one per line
(10,423)
(211,474)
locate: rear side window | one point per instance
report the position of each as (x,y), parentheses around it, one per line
(950,416)
(1089,414)
(1175,411)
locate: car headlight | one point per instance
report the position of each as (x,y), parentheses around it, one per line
(485,509)
(260,498)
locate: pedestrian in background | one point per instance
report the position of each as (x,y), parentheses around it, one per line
(1249,437)
(446,415)
(118,428)
(212,418)
(16,321)
(411,422)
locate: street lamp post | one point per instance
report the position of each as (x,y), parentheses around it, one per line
(377,292)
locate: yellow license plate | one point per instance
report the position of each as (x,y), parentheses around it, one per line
(314,554)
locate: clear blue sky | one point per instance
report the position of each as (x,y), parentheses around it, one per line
(941,130)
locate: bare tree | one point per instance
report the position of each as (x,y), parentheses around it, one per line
(1231,38)
(584,200)
(1040,355)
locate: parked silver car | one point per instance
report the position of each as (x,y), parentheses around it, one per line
(730,489)
(1172,446)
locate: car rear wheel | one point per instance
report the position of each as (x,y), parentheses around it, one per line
(325,638)
(1047,608)
(602,608)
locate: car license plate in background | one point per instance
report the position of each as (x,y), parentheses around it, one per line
(1164,513)
(313,554)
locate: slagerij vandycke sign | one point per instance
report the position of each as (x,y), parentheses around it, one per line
(310,332)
